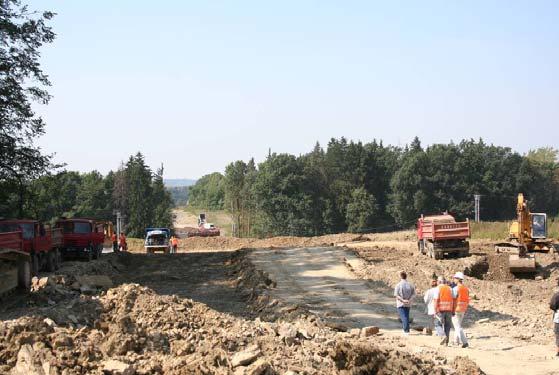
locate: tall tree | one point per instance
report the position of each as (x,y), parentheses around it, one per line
(22,82)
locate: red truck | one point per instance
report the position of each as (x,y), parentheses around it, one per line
(438,235)
(39,241)
(15,263)
(82,238)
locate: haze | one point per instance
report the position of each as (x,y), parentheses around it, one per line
(196,85)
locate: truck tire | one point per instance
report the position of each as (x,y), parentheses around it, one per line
(51,261)
(88,253)
(94,252)
(99,251)
(35,266)
(24,274)
(438,254)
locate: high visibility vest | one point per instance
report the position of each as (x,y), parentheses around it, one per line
(463,298)
(445,300)
(113,237)
(175,241)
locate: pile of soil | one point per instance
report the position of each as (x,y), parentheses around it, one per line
(73,328)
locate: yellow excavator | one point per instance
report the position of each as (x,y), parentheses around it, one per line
(528,233)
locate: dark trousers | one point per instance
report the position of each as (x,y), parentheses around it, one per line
(405,317)
(444,319)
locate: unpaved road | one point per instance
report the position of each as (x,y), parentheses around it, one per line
(321,279)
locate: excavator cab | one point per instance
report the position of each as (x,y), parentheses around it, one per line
(539,226)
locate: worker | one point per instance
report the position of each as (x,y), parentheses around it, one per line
(461,295)
(429,299)
(444,306)
(123,245)
(554,305)
(174,244)
(115,242)
(404,293)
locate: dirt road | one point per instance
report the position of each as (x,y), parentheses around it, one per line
(322,280)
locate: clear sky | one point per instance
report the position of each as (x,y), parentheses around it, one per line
(197,84)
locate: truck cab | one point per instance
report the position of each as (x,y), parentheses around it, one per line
(40,241)
(82,238)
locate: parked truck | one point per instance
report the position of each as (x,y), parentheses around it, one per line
(440,235)
(82,238)
(157,239)
(15,263)
(39,241)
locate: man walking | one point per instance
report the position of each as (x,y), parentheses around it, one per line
(429,299)
(404,293)
(461,296)
(444,305)
(554,305)
(174,244)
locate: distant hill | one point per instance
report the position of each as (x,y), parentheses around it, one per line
(175,182)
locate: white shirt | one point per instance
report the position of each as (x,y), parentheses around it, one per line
(429,299)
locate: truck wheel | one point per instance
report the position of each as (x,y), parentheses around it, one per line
(35,265)
(24,274)
(99,251)
(439,255)
(94,252)
(51,261)
(88,254)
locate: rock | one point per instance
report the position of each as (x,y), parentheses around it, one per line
(369,331)
(539,278)
(427,331)
(355,332)
(336,326)
(289,372)
(26,364)
(484,320)
(245,357)
(112,366)
(259,367)
(49,322)
(288,333)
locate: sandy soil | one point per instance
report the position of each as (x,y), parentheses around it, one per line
(328,281)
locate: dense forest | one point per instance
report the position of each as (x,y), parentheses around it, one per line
(133,189)
(364,187)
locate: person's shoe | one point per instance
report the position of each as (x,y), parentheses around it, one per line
(465,345)
(405,334)
(445,341)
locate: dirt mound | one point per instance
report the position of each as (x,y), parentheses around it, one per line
(498,268)
(233,243)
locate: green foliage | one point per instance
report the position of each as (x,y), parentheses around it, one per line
(179,195)
(361,210)
(22,82)
(368,187)
(208,192)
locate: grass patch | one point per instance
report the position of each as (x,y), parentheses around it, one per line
(499,230)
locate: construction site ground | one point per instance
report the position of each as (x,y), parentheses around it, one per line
(276,306)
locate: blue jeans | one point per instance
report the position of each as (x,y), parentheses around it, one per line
(405,317)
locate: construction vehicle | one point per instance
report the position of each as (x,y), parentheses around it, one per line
(157,239)
(204,229)
(39,241)
(440,235)
(82,238)
(528,233)
(15,263)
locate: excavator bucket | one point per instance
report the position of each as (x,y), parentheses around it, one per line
(526,264)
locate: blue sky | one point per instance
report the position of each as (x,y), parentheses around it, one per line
(196,85)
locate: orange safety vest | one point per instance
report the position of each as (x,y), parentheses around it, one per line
(463,298)
(113,237)
(445,300)
(174,241)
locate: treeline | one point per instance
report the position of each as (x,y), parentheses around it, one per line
(134,189)
(357,187)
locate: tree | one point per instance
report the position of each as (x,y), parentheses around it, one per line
(361,211)
(161,201)
(140,204)
(22,82)
(208,192)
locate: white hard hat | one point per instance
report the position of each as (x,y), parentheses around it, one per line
(459,275)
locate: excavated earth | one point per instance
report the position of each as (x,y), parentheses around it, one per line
(189,313)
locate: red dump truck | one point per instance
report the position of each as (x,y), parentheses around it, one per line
(15,263)
(39,241)
(82,238)
(440,235)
